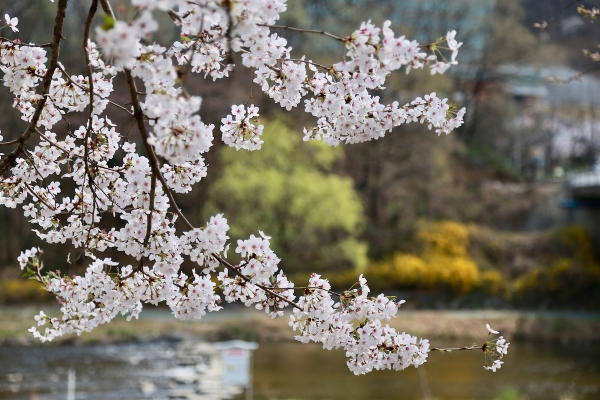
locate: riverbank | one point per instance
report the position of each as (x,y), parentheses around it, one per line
(248,324)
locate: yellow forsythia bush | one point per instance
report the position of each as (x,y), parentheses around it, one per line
(445,238)
(18,291)
(444,261)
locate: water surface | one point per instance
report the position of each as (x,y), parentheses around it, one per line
(297,371)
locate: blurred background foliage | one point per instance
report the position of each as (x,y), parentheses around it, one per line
(288,189)
(469,219)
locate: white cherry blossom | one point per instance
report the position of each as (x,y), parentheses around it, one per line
(68,181)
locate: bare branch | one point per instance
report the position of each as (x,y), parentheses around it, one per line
(290,28)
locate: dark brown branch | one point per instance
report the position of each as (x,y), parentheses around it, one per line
(306,62)
(174,16)
(107,8)
(316,288)
(41,200)
(88,131)
(58,27)
(139,118)
(149,218)
(245,278)
(44,138)
(152,158)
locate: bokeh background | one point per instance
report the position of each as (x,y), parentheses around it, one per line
(497,222)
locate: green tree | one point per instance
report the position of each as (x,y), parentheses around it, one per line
(289,190)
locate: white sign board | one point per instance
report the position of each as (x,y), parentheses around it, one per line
(236,362)
(236,367)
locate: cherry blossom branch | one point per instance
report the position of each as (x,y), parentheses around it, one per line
(139,116)
(41,200)
(17,43)
(449,349)
(43,137)
(316,288)
(10,159)
(86,36)
(87,90)
(247,279)
(149,217)
(174,140)
(306,62)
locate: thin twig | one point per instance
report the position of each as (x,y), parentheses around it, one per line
(574,77)
(290,28)
(16,43)
(30,189)
(44,138)
(306,62)
(10,143)
(449,349)
(544,24)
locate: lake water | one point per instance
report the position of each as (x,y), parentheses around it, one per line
(157,370)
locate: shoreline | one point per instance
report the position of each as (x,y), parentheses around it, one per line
(252,325)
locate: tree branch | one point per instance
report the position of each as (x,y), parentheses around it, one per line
(3,39)
(107,8)
(290,28)
(88,131)
(58,27)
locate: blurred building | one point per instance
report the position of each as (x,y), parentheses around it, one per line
(554,104)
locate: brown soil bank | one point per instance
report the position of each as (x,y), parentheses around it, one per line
(252,325)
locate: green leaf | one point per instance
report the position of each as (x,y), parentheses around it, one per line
(109,22)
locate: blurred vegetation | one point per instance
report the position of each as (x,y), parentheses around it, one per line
(556,269)
(570,273)
(442,262)
(22,291)
(288,190)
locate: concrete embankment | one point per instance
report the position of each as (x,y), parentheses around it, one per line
(256,326)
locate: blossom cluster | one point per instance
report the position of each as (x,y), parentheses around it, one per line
(97,187)
(355,324)
(255,274)
(238,129)
(495,349)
